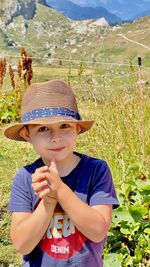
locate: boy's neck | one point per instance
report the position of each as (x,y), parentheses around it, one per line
(67,165)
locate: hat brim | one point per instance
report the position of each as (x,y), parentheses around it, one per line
(12,132)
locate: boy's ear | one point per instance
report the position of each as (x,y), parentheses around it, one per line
(78,128)
(25,134)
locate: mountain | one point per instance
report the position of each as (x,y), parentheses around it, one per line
(56,40)
(77,12)
(125,9)
(142,14)
(11,9)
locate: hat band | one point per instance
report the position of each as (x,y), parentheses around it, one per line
(50,112)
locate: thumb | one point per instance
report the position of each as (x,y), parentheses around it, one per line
(53,165)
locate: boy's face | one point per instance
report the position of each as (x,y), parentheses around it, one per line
(53,142)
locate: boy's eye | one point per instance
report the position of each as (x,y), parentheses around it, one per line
(43,129)
(64,126)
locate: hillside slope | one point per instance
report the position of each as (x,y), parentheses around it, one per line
(52,38)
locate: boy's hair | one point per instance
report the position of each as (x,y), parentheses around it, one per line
(48,103)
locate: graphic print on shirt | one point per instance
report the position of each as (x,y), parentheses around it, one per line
(62,239)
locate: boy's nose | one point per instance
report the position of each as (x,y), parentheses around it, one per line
(55,137)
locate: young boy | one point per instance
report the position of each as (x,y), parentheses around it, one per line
(61,204)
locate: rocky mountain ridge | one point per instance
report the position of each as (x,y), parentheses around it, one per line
(10,9)
(52,38)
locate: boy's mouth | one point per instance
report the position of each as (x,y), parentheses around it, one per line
(57,149)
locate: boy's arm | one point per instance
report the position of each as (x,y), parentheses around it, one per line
(93,222)
(27,229)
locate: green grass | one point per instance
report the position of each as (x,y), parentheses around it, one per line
(10,162)
(114,103)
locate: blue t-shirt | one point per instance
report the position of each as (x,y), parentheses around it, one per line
(63,245)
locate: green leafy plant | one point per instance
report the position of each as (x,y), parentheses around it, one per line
(129,235)
(10,107)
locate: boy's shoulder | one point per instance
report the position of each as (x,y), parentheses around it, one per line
(90,163)
(94,160)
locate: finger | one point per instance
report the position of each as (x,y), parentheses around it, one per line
(37,177)
(44,192)
(40,174)
(39,186)
(41,169)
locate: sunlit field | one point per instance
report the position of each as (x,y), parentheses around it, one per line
(118,100)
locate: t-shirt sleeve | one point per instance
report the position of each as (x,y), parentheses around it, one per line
(21,197)
(102,189)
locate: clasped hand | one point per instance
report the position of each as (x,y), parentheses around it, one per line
(46,182)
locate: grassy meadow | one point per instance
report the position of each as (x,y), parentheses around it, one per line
(118,100)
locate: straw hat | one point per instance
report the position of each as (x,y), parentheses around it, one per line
(48,103)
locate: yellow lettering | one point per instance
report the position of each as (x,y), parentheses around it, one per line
(68,226)
(60,226)
(57,226)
